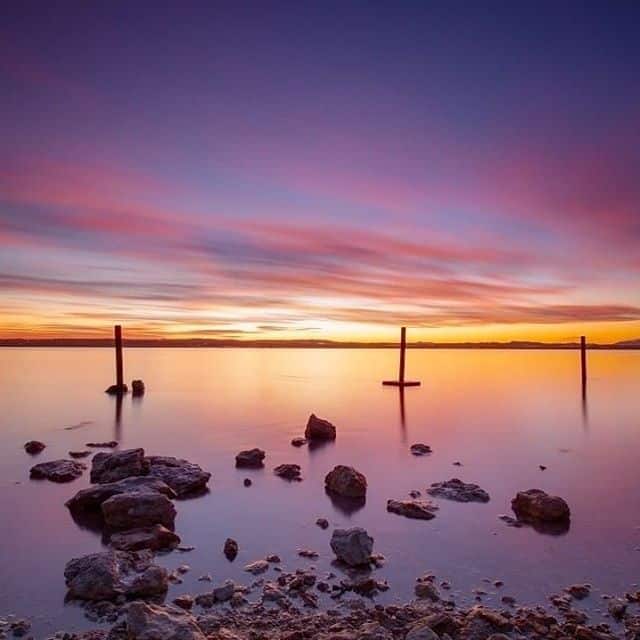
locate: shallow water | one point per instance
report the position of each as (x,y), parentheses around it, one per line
(500,413)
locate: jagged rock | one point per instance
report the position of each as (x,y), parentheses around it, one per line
(299,442)
(224,592)
(459,491)
(34,447)
(58,470)
(319,429)
(111,467)
(257,567)
(426,589)
(134,510)
(105,576)
(346,481)
(137,387)
(251,458)
(352,546)
(92,498)
(420,449)
(417,509)
(112,444)
(153,622)
(117,389)
(288,471)
(230,549)
(184,477)
(79,454)
(537,505)
(185,601)
(155,538)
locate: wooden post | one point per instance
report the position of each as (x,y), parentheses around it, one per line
(119,374)
(403,347)
(583,361)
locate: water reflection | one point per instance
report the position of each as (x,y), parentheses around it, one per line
(117,431)
(346,506)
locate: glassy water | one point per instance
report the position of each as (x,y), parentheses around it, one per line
(500,413)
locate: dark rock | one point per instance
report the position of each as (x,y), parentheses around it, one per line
(352,546)
(299,442)
(617,609)
(417,509)
(135,510)
(459,491)
(111,444)
(156,538)
(230,549)
(288,471)
(323,523)
(137,387)
(34,447)
(184,477)
(346,481)
(185,601)
(319,429)
(426,589)
(79,454)
(537,505)
(257,567)
(247,482)
(421,631)
(58,470)
(420,449)
(117,390)
(252,458)
(19,628)
(579,591)
(224,592)
(153,622)
(111,467)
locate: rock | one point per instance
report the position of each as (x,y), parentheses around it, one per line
(230,549)
(156,538)
(323,523)
(459,491)
(108,575)
(346,481)
(426,589)
(420,449)
(579,591)
(271,593)
(224,592)
(414,493)
(537,505)
(299,442)
(134,510)
(308,553)
(34,447)
(58,470)
(617,609)
(19,628)
(257,567)
(111,467)
(184,601)
(91,499)
(112,444)
(184,477)
(373,631)
(252,458)
(137,387)
(288,471)
(542,467)
(273,558)
(417,509)
(79,454)
(153,622)
(352,546)
(508,600)
(117,389)
(319,429)
(421,631)
(247,482)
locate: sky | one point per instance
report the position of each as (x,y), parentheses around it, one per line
(320,170)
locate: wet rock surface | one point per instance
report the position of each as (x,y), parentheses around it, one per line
(319,429)
(289,471)
(33,447)
(135,510)
(230,549)
(152,622)
(58,470)
(111,444)
(184,477)
(417,509)
(346,481)
(79,454)
(537,505)
(458,491)
(352,546)
(155,538)
(137,387)
(111,467)
(420,449)
(251,459)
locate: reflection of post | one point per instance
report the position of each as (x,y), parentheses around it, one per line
(583,360)
(403,422)
(119,374)
(118,428)
(403,348)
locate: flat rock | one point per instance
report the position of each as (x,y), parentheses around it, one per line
(257,567)
(288,471)
(117,389)
(111,467)
(319,429)
(58,470)
(352,546)
(105,576)
(346,481)
(79,454)
(459,491)
(154,622)
(250,458)
(184,477)
(156,538)
(138,509)
(417,509)
(579,591)
(420,449)
(34,447)
(111,444)
(537,505)
(230,549)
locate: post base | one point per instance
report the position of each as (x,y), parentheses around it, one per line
(398,383)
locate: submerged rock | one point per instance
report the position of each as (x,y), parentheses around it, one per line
(257,567)
(299,442)
(79,454)
(111,467)
(156,538)
(230,549)
(459,491)
(134,510)
(323,523)
(288,471)
(417,509)
(346,481)
(224,592)
(34,447)
(153,622)
(579,591)
(537,505)
(117,389)
(184,477)
(319,429)
(58,470)
(111,444)
(420,449)
(352,546)
(137,387)
(251,458)
(105,576)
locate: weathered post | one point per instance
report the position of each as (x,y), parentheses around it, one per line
(401,382)
(119,387)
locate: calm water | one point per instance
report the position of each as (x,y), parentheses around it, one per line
(501,413)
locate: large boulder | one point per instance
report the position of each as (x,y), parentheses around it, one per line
(91,499)
(134,510)
(108,575)
(155,538)
(417,509)
(58,470)
(111,467)
(184,477)
(251,458)
(458,491)
(154,622)
(537,505)
(319,429)
(346,481)
(352,546)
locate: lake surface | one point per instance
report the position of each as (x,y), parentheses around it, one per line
(500,413)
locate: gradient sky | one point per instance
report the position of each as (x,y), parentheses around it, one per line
(320,170)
